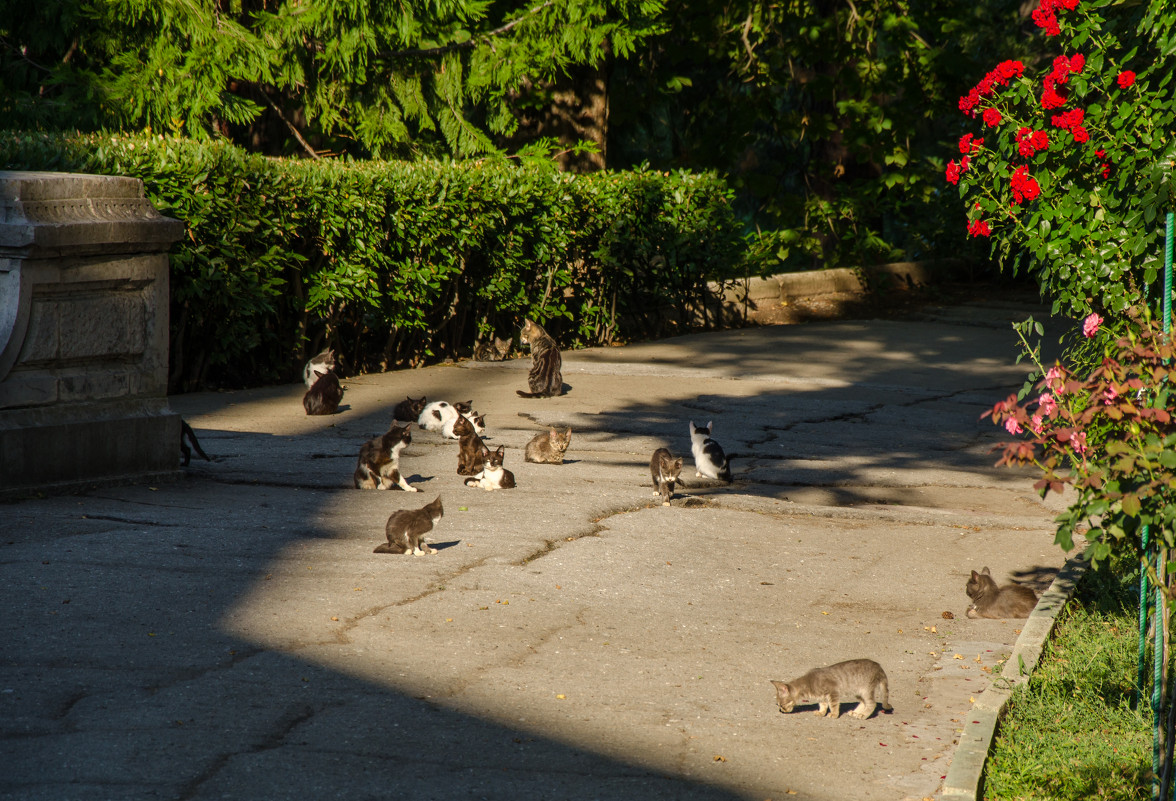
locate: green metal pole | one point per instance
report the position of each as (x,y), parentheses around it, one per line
(1144,598)
(1168,226)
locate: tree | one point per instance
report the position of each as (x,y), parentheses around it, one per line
(828,117)
(368,78)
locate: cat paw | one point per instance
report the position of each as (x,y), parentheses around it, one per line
(665,503)
(410,488)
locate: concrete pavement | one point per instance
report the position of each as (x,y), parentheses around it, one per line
(232,635)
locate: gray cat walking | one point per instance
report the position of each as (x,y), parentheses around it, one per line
(863,679)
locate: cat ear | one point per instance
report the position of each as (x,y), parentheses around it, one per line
(779,685)
(710,425)
(985,572)
(975,575)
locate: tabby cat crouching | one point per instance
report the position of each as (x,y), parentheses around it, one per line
(863,679)
(548,448)
(406,529)
(991,601)
(546,377)
(664,469)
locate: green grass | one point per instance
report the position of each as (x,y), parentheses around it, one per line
(1071,732)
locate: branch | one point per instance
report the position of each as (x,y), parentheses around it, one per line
(471,42)
(305,145)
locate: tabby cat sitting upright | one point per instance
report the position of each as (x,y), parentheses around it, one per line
(406,529)
(548,448)
(991,601)
(863,679)
(494,475)
(545,378)
(379,460)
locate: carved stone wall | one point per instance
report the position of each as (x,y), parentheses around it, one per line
(83,331)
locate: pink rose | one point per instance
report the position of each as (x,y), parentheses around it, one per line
(1012,426)
(1090,325)
(1078,441)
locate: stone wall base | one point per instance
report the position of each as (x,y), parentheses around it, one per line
(101,441)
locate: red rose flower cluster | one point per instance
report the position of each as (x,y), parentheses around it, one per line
(1125,79)
(970,145)
(1104,163)
(1000,76)
(1062,69)
(1030,142)
(979,228)
(1046,14)
(1072,121)
(1025,186)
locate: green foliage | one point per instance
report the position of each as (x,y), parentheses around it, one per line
(1070,732)
(1110,438)
(400,263)
(1081,207)
(827,117)
(369,77)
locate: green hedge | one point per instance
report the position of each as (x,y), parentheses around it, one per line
(399,264)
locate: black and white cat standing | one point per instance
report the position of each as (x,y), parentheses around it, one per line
(709,459)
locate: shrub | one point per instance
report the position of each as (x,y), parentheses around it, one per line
(399,264)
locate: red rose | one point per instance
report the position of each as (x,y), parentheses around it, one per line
(953,173)
(992,117)
(1125,79)
(979,228)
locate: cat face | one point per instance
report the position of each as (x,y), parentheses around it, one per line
(784,696)
(462,427)
(529,331)
(495,458)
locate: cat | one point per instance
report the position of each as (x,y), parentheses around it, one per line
(324,396)
(548,448)
(493,351)
(991,601)
(187,433)
(709,459)
(323,363)
(863,679)
(409,410)
(545,378)
(664,469)
(494,475)
(406,529)
(466,410)
(379,460)
(472,453)
(436,415)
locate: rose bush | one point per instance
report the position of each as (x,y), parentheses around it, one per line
(1076,158)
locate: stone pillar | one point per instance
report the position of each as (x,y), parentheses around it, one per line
(83,332)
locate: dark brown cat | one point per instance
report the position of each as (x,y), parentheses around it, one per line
(472,453)
(324,396)
(379,460)
(494,475)
(545,378)
(407,528)
(548,448)
(991,601)
(664,469)
(409,409)
(856,678)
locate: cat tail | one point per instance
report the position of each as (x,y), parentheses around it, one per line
(187,432)
(387,547)
(529,394)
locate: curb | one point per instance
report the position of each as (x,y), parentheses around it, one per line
(965,774)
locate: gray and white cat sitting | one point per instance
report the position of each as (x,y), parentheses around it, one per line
(548,448)
(493,476)
(991,601)
(664,469)
(406,529)
(709,459)
(863,679)
(379,460)
(318,366)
